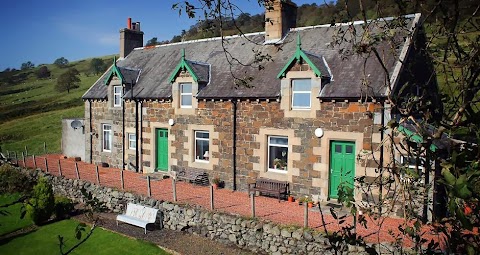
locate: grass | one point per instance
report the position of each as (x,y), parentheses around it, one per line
(11,220)
(31,109)
(44,241)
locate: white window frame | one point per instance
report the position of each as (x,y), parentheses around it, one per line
(276,145)
(117,95)
(132,138)
(107,132)
(186,94)
(309,92)
(195,145)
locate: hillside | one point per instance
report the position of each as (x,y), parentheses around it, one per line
(31,109)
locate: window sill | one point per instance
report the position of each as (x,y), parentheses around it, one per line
(277,171)
(301,109)
(106,151)
(201,161)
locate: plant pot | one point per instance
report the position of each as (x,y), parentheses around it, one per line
(291,199)
(310,204)
(215,186)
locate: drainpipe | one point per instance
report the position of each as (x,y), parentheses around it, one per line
(140,169)
(381,158)
(91,129)
(234,152)
(136,134)
(123,127)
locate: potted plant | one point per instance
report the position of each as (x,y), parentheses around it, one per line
(216,182)
(305,199)
(291,199)
(279,163)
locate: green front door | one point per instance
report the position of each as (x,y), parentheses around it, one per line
(342,165)
(162,150)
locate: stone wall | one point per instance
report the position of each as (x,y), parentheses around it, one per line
(247,233)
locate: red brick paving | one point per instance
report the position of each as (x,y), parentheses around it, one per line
(233,202)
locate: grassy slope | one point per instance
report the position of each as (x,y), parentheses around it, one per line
(11,220)
(45,241)
(31,109)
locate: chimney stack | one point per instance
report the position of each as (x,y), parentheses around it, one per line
(130,38)
(280,16)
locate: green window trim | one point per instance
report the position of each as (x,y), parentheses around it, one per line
(183,65)
(297,57)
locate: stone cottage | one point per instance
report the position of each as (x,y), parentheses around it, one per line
(304,117)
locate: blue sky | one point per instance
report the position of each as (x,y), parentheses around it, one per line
(42,31)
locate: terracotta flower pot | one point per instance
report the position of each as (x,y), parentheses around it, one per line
(291,199)
(310,204)
(215,186)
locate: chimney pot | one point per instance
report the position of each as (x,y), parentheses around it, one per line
(129,23)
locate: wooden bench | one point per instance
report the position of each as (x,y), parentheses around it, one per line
(196,176)
(272,187)
(138,215)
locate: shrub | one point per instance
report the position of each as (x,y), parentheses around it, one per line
(13,180)
(42,204)
(63,207)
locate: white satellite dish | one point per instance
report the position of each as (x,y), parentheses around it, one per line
(76,124)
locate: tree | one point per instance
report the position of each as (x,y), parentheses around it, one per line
(152,42)
(41,206)
(42,72)
(27,65)
(61,62)
(97,66)
(68,80)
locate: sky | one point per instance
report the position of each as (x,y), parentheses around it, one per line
(42,31)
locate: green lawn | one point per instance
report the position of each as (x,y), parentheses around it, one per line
(44,241)
(11,220)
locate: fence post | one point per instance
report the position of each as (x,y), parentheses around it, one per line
(121,179)
(98,175)
(34,161)
(26,151)
(45,147)
(24,162)
(174,189)
(76,171)
(46,164)
(305,218)
(59,168)
(212,206)
(16,158)
(252,204)
(148,186)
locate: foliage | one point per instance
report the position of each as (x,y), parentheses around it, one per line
(63,207)
(61,62)
(97,66)
(42,72)
(68,80)
(10,208)
(27,65)
(42,203)
(13,180)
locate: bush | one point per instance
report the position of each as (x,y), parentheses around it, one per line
(13,180)
(63,207)
(42,204)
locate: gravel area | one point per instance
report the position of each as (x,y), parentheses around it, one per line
(175,242)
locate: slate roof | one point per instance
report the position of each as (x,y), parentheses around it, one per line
(202,70)
(348,73)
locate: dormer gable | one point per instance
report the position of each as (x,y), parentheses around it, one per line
(200,72)
(316,63)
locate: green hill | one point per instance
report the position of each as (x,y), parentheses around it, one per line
(31,109)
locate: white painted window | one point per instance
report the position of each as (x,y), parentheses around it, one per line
(277,153)
(132,141)
(301,93)
(117,96)
(186,95)
(202,146)
(107,137)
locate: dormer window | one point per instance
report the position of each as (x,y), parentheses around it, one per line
(186,95)
(301,94)
(117,96)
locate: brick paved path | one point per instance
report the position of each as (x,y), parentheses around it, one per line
(233,202)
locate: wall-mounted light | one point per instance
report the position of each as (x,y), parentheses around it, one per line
(319,132)
(171,122)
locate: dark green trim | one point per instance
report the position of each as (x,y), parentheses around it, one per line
(114,71)
(414,137)
(297,57)
(183,65)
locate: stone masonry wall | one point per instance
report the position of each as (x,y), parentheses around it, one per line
(246,233)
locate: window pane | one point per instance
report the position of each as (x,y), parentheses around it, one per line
(278,140)
(278,157)
(117,89)
(186,100)
(107,137)
(202,151)
(201,134)
(349,149)
(186,88)
(301,85)
(338,148)
(301,100)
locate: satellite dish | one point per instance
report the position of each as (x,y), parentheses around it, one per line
(76,124)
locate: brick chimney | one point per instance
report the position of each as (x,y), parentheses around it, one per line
(130,37)
(280,16)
